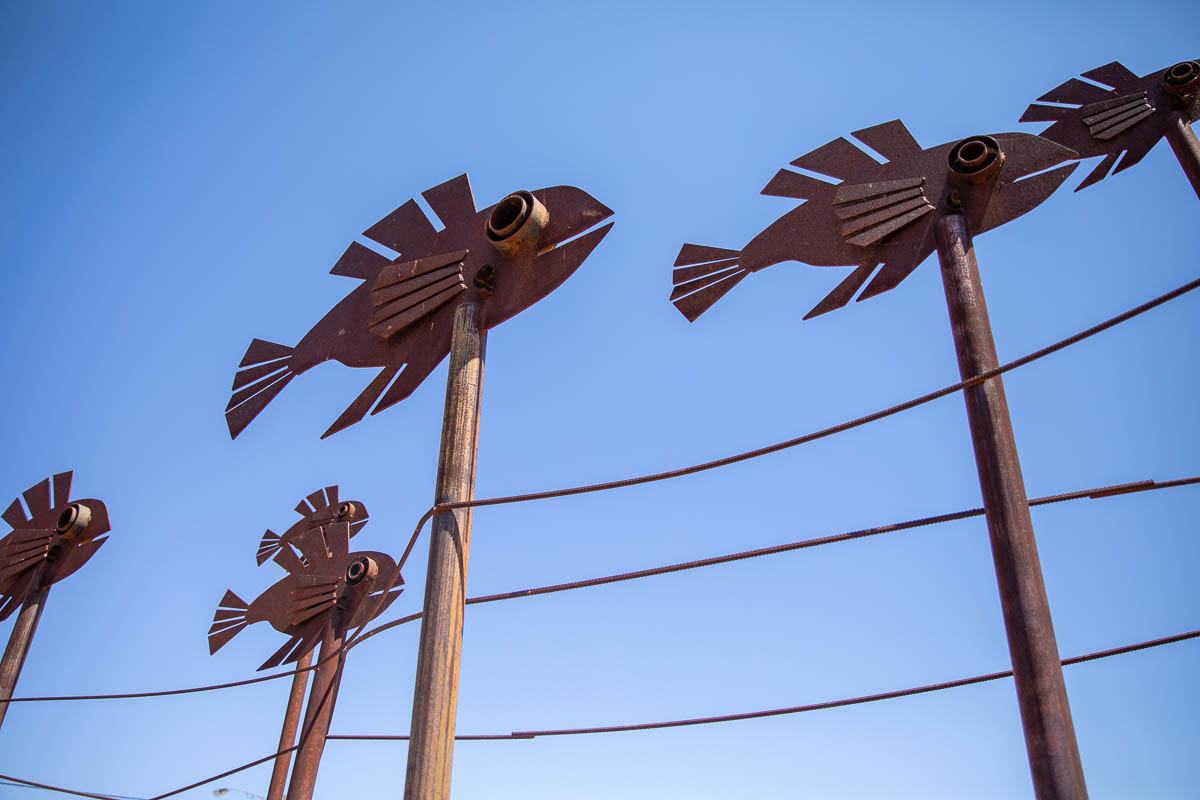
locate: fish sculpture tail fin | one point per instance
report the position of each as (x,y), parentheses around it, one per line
(227,622)
(264,371)
(703,276)
(271,544)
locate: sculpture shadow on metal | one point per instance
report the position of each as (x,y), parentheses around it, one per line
(1123,119)
(880,217)
(58,533)
(327,587)
(505,258)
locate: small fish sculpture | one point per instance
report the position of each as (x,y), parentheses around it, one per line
(504,258)
(880,213)
(1124,121)
(327,586)
(318,509)
(51,542)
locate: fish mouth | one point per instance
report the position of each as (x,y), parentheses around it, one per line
(1033,168)
(571,211)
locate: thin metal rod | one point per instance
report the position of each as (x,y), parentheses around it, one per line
(1186,146)
(291,724)
(19,640)
(435,700)
(317,716)
(1041,692)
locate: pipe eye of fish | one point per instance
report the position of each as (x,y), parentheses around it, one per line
(976,160)
(345,510)
(1182,73)
(516,224)
(73,521)
(360,569)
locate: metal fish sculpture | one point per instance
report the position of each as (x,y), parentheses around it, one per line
(1124,121)
(505,258)
(327,586)
(318,509)
(878,213)
(51,542)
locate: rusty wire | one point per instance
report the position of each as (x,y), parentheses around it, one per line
(1082,494)
(678,723)
(808,437)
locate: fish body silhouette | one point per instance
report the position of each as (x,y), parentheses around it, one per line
(1124,121)
(51,542)
(320,508)
(400,317)
(327,586)
(878,214)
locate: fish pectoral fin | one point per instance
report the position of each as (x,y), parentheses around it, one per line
(405,292)
(362,404)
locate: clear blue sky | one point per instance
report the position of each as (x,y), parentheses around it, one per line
(179,178)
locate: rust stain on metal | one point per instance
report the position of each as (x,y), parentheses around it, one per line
(57,534)
(327,587)
(1123,118)
(879,218)
(504,258)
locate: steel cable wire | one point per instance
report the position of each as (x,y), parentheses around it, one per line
(789,443)
(1082,494)
(677,723)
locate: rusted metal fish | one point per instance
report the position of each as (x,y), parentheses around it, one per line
(320,508)
(327,588)
(57,535)
(505,258)
(1124,118)
(878,214)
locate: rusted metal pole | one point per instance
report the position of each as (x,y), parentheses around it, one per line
(291,724)
(1186,145)
(19,640)
(317,716)
(1041,692)
(435,700)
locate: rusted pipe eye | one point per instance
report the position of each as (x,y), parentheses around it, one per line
(516,223)
(976,160)
(73,521)
(1182,78)
(346,510)
(361,569)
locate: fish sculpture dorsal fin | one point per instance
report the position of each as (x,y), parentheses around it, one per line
(405,292)
(453,201)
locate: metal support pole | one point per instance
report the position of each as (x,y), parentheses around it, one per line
(1041,692)
(291,724)
(317,716)
(435,700)
(19,640)
(1186,146)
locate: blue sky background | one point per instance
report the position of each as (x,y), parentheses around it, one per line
(179,178)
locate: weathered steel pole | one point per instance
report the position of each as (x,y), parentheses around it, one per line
(291,723)
(19,640)
(317,716)
(1041,692)
(435,700)
(1186,145)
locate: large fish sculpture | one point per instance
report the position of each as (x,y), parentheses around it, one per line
(51,542)
(1123,119)
(880,217)
(317,509)
(504,258)
(327,587)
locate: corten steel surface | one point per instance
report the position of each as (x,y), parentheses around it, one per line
(1125,120)
(896,214)
(1037,670)
(317,717)
(878,213)
(54,539)
(503,258)
(435,697)
(291,725)
(319,591)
